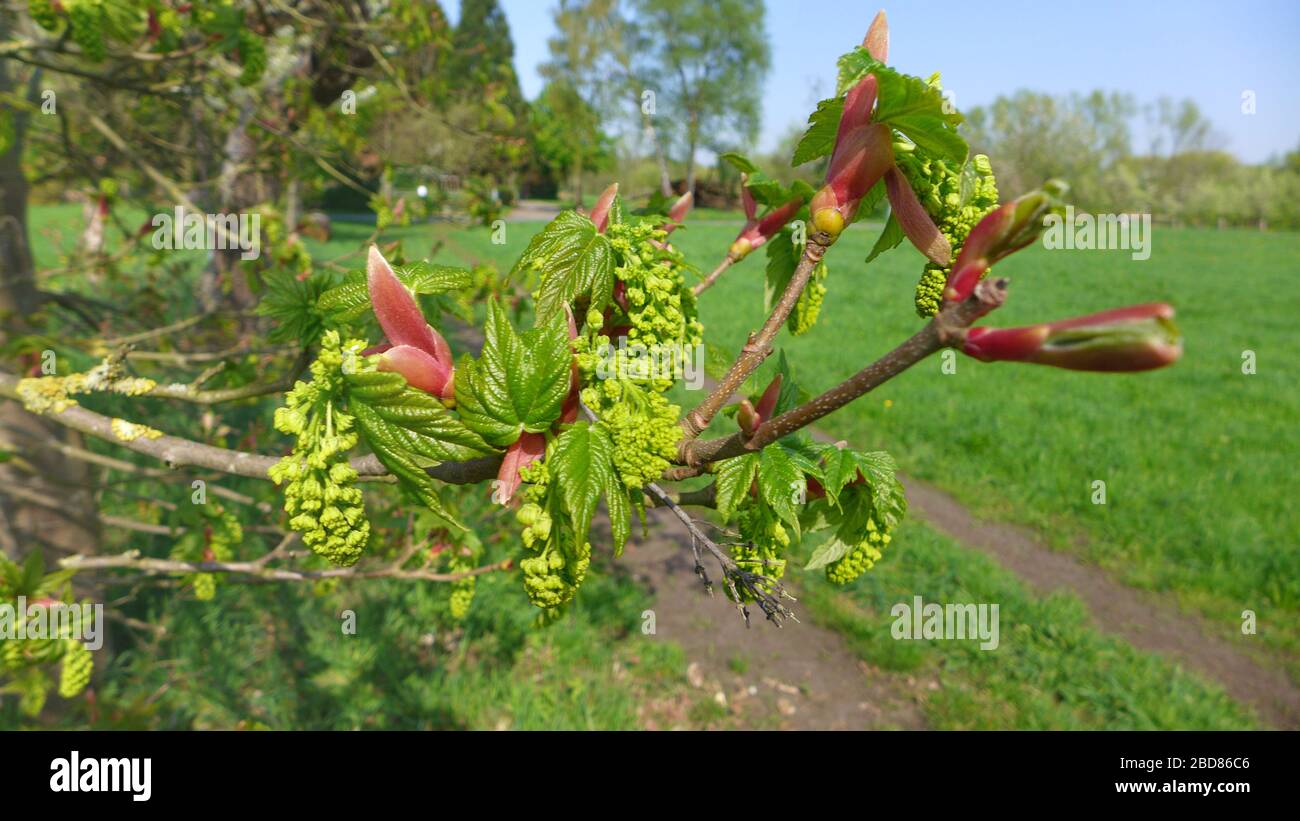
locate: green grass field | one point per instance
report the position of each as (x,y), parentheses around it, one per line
(1194,459)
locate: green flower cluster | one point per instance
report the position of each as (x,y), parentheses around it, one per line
(74,674)
(552,577)
(862,557)
(88,20)
(252,57)
(42,11)
(462,590)
(809,306)
(22,660)
(957,199)
(217,541)
(762,541)
(661,309)
(643,425)
(320,494)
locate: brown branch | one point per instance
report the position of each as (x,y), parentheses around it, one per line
(946,329)
(708,281)
(132,560)
(201,357)
(756,349)
(176,452)
(179,325)
(767,593)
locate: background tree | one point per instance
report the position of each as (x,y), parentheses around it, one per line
(707,61)
(568,136)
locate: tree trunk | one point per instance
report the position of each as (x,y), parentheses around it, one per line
(692,141)
(292,203)
(577,184)
(237,190)
(665,179)
(69,522)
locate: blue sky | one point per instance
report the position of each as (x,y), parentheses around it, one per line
(1210,52)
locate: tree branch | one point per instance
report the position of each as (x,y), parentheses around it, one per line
(768,593)
(946,329)
(708,281)
(176,452)
(756,349)
(132,560)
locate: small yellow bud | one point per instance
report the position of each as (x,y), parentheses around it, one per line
(829,221)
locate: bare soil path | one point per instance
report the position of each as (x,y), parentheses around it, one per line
(1145,620)
(800,676)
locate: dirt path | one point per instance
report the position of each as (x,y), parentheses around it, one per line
(799,677)
(532,211)
(1141,618)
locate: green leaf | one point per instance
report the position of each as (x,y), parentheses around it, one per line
(790,394)
(412,419)
(819,140)
(887,494)
(519,381)
(908,104)
(735,477)
(292,304)
(839,467)
(393,450)
(803,452)
(620,512)
(573,260)
(780,481)
(33,570)
(350,300)
(581,463)
(888,239)
(51,582)
(828,551)
(739,161)
(868,205)
(767,191)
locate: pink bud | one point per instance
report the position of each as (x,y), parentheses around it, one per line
(877,40)
(528,448)
(1136,338)
(767,402)
(861,158)
(757,232)
(679,210)
(747,199)
(915,220)
(397,311)
(600,211)
(417,351)
(420,370)
(1003,231)
(569,411)
(747,417)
